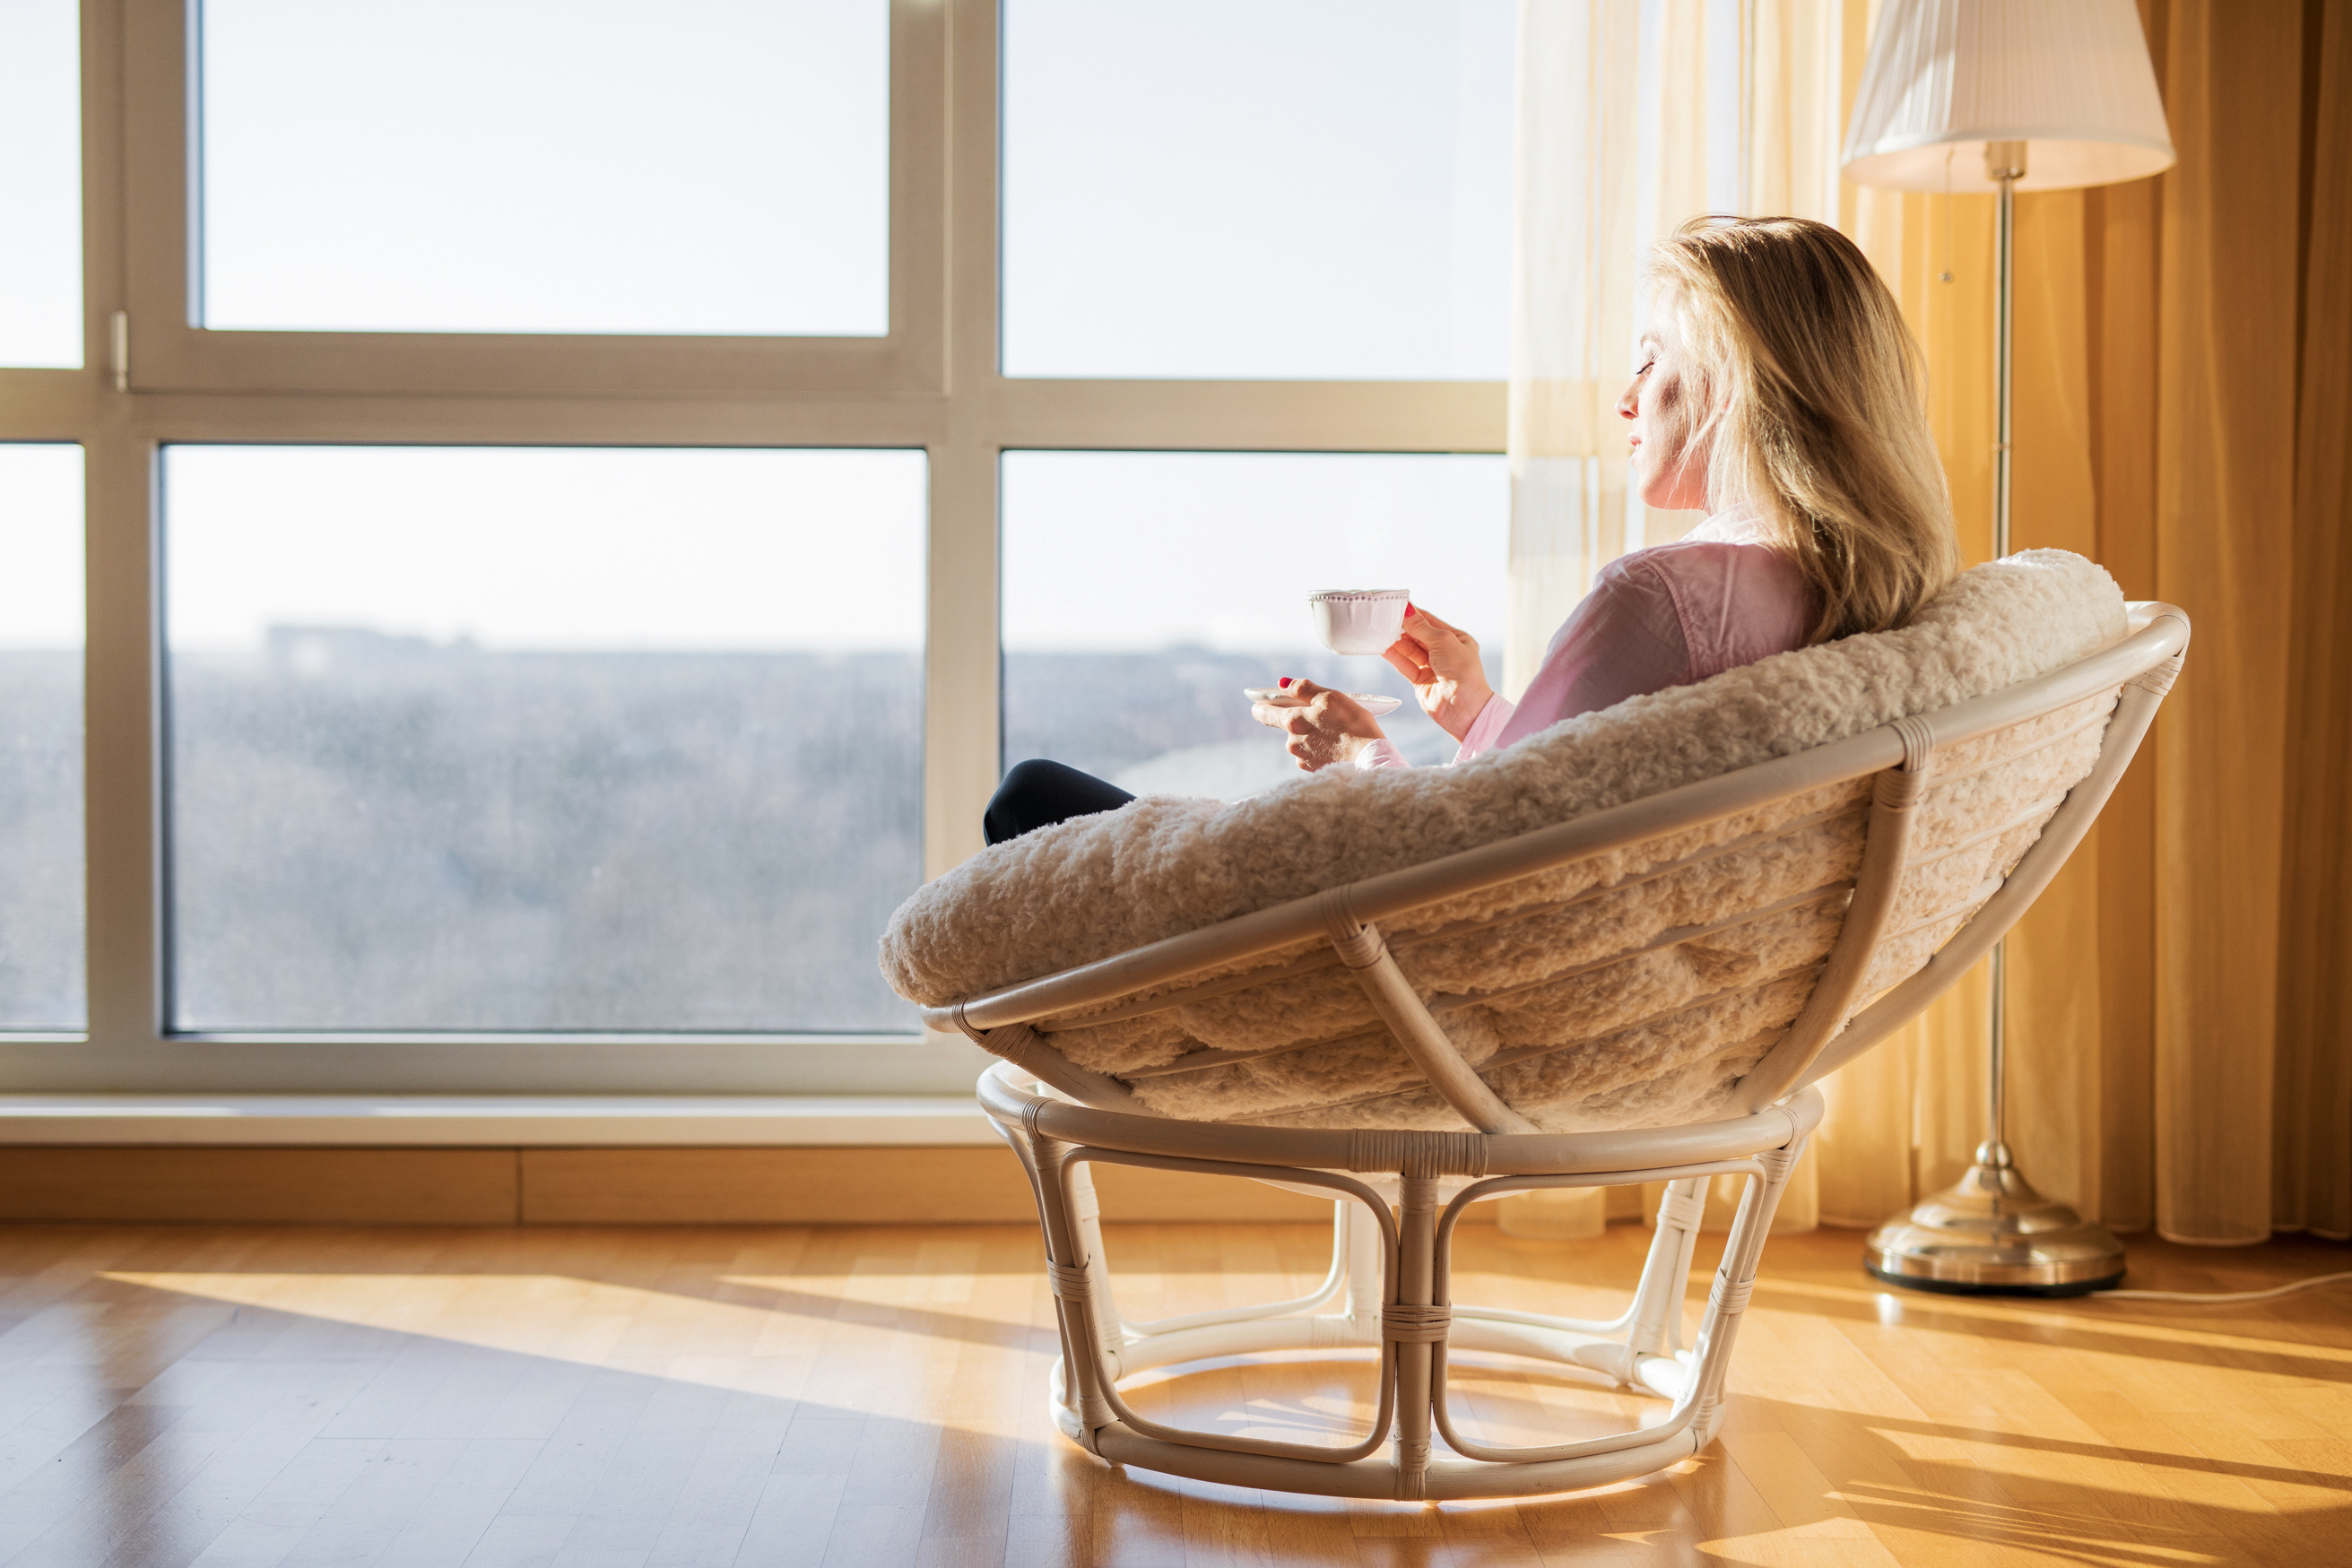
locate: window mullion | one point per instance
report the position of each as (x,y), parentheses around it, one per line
(961,698)
(120,749)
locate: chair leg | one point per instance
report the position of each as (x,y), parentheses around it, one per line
(1101,1303)
(1416,1287)
(1735,1282)
(1653,1323)
(1071,1270)
(1361,1237)
(1657,1327)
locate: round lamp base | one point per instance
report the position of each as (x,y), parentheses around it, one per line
(1992,1234)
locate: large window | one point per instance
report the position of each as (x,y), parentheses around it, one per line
(490,738)
(583,501)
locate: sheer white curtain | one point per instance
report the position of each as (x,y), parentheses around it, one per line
(1574,261)
(1634,116)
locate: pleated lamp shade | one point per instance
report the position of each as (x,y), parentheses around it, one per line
(2070,77)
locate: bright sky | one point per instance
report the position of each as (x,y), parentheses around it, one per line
(568,547)
(40,546)
(1137,550)
(40,184)
(1233,188)
(547,165)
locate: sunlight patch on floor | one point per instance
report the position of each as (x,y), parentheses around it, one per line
(751,1346)
(1895,1309)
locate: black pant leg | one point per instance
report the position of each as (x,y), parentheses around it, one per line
(1037,794)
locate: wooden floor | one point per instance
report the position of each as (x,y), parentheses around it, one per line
(256,1396)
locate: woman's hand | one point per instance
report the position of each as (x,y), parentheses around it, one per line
(1442,662)
(1325,726)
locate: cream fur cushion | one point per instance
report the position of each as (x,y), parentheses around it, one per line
(1621,991)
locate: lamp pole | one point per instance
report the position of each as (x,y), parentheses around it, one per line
(1993,1233)
(2004,162)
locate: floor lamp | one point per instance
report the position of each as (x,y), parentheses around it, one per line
(2002,96)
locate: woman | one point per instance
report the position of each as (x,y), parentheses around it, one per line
(1781,392)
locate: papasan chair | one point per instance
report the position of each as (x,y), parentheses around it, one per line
(1624,950)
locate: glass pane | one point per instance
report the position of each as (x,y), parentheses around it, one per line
(41,972)
(1127,657)
(542,740)
(700,166)
(40,185)
(1225,188)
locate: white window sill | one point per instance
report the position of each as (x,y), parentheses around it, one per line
(492,1121)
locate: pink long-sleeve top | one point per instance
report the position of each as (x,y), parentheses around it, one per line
(1667,616)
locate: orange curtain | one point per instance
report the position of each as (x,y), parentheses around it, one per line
(2181,999)
(2311,1171)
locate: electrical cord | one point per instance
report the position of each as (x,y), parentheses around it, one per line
(2218,1297)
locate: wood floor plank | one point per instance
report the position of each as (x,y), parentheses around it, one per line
(792,1523)
(266,1528)
(380,1504)
(451,1518)
(1649,1517)
(713,1512)
(645,1476)
(287,1404)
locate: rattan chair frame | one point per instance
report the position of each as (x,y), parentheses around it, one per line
(1388,1291)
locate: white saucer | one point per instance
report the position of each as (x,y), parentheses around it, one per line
(1370,702)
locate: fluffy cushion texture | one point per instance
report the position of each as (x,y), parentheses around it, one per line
(1631,988)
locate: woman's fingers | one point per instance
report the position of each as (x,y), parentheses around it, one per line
(1408,658)
(1453,653)
(1325,724)
(1441,628)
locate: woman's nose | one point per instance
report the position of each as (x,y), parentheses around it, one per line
(1627,405)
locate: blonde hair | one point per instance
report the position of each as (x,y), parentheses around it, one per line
(1816,391)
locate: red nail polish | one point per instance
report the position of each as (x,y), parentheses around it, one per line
(1408,607)
(1285,682)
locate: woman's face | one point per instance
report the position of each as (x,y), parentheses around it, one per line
(1665,404)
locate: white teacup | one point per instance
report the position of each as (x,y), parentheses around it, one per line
(1360,619)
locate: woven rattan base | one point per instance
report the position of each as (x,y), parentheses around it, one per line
(1388,1292)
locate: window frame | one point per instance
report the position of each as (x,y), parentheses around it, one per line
(941,392)
(162,171)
